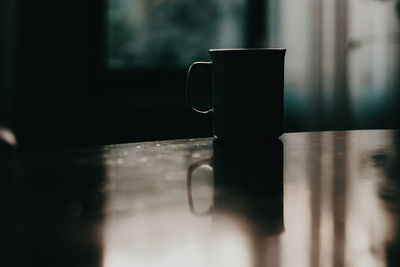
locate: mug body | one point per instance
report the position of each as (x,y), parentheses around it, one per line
(247,93)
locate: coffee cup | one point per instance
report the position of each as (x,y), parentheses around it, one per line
(247,93)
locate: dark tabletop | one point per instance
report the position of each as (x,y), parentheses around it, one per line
(308,199)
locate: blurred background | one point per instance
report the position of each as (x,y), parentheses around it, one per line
(110,71)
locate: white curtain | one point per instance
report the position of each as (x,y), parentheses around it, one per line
(342,62)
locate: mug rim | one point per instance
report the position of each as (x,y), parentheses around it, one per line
(245,49)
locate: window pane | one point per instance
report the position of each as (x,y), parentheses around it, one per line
(342,62)
(171,33)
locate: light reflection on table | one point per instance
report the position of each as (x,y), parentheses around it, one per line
(333,210)
(315,199)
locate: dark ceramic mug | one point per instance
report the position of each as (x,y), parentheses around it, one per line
(247,98)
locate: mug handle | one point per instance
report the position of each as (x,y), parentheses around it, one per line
(190,171)
(192,68)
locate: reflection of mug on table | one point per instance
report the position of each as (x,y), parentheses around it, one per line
(248,182)
(247,87)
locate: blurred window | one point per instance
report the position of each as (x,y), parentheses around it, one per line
(342,63)
(341,66)
(160,34)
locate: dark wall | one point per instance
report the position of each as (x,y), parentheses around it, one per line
(7,43)
(66,95)
(57,61)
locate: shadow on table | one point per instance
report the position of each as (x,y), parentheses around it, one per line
(53,213)
(248,186)
(389,191)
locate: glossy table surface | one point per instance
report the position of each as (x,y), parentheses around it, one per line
(308,199)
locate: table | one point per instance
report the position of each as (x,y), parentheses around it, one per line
(308,199)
